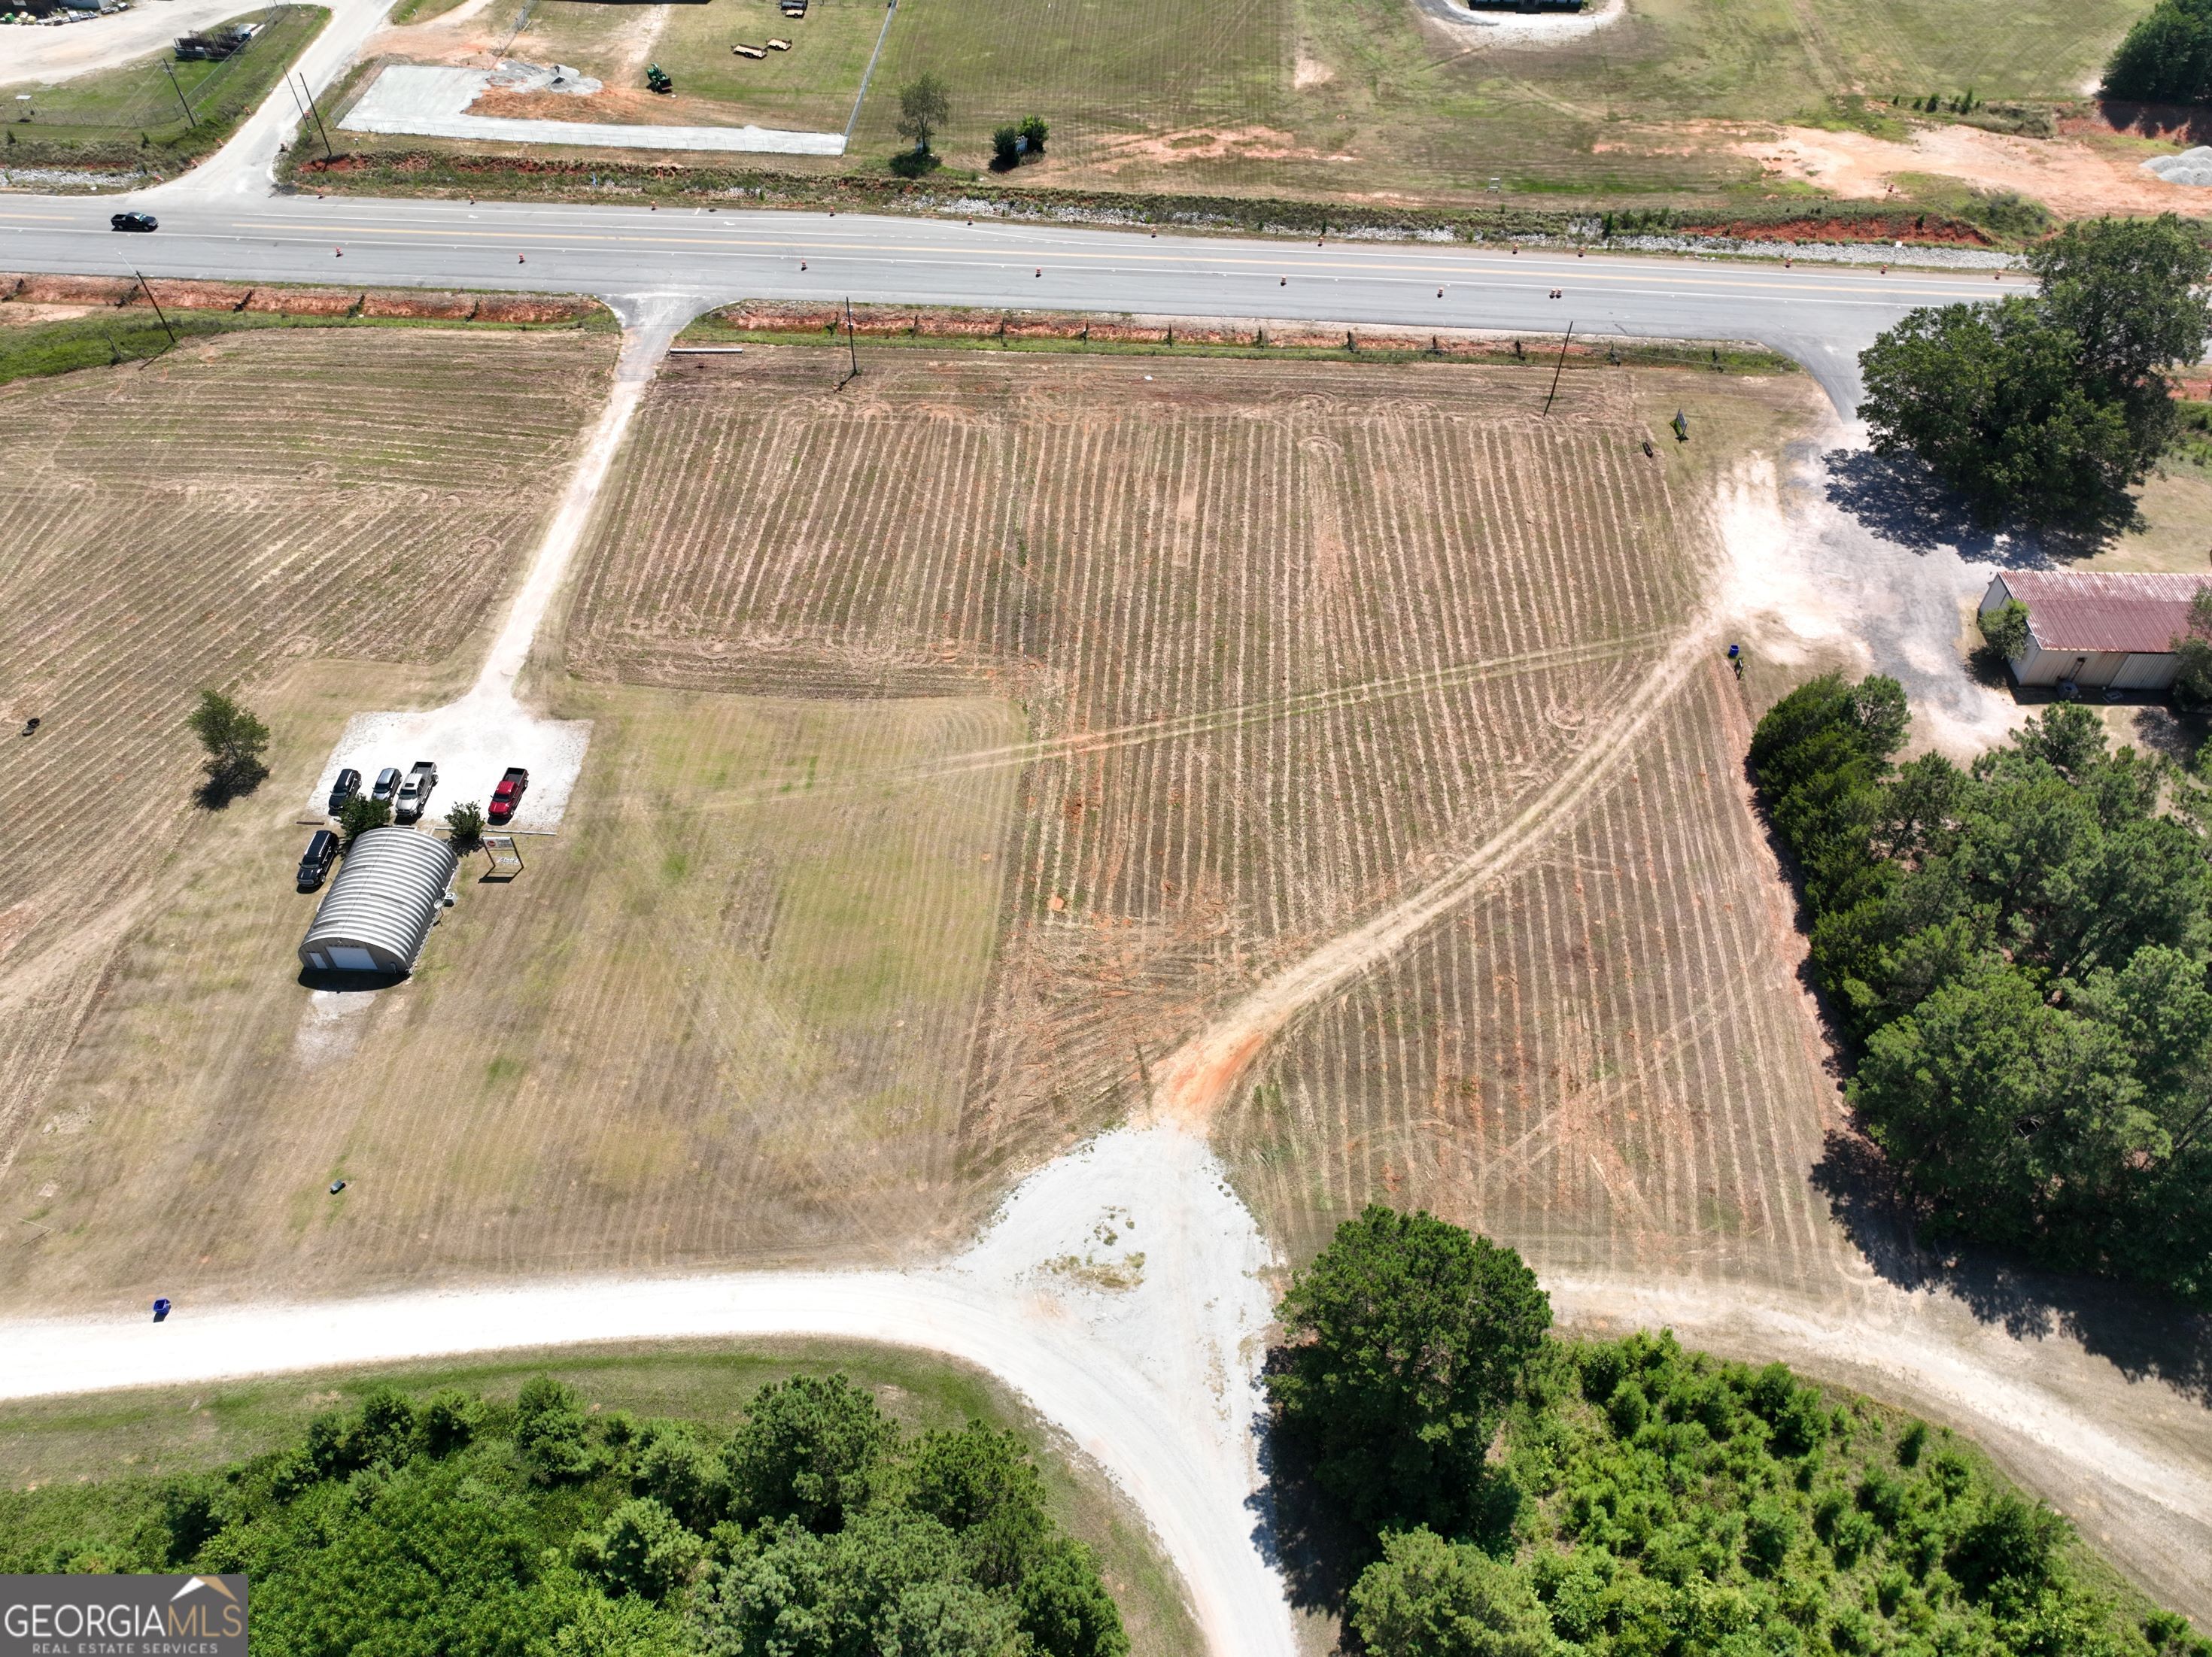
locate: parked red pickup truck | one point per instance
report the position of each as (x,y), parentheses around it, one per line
(508,794)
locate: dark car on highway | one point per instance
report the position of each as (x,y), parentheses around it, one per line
(508,794)
(347,786)
(322,852)
(387,785)
(133,221)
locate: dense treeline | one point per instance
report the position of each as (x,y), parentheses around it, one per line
(2166,58)
(2018,951)
(456,1527)
(1531,1498)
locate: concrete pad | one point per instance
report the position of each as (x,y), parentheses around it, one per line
(426,100)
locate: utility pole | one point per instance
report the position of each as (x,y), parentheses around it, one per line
(179,91)
(317,114)
(852,346)
(297,104)
(156,304)
(1556,367)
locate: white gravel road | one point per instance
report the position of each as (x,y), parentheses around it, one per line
(1120,1291)
(472,741)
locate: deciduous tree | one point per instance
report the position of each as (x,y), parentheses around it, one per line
(235,742)
(361,814)
(925,106)
(1405,1340)
(1990,398)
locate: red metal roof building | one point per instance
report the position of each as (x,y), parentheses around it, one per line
(2099,628)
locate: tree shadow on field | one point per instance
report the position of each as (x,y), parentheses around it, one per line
(1898,498)
(220,789)
(2171,733)
(2142,1333)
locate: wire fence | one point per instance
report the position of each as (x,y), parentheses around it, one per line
(165,93)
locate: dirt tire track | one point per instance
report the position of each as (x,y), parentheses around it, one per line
(1192,1082)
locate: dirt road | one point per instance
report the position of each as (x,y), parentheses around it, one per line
(1122,1291)
(1119,1291)
(1192,1081)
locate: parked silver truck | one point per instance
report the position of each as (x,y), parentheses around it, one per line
(415,792)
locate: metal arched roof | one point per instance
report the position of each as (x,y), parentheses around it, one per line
(383,898)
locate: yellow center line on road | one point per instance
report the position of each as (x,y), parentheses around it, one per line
(1818,281)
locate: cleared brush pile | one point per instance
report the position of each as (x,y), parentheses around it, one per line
(190,523)
(1284,636)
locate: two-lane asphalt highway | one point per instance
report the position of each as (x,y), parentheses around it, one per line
(1823,316)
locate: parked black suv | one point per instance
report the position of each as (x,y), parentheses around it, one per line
(347,786)
(133,221)
(322,852)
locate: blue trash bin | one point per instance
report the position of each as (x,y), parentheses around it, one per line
(161,1309)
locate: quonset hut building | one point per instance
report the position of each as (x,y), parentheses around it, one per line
(381,904)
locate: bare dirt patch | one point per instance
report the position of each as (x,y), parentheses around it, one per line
(305,301)
(21,315)
(611,105)
(74,290)
(429,306)
(2068,177)
(1241,143)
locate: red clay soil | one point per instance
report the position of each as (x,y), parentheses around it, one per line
(445,307)
(772,316)
(431,306)
(74,290)
(307,301)
(194,295)
(533,307)
(2185,123)
(1910,228)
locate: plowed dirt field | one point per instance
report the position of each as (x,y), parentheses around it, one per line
(1290,639)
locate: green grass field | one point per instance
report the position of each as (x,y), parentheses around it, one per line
(811,88)
(1348,97)
(1360,99)
(135,334)
(152,1432)
(138,110)
(1091,67)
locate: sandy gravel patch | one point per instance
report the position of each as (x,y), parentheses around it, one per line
(2068,177)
